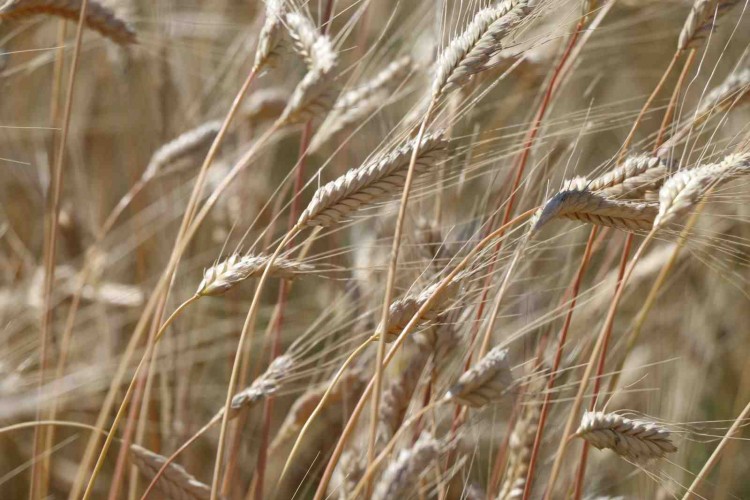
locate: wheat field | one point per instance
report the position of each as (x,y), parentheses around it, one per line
(389,249)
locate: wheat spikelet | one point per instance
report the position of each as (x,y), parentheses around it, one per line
(266,385)
(732,91)
(638,178)
(356,104)
(700,20)
(404,309)
(312,97)
(398,395)
(632,439)
(681,192)
(586,206)
(470,53)
(97,17)
(221,277)
(182,146)
(402,475)
(175,483)
(265,104)
(370,182)
(484,383)
(270,39)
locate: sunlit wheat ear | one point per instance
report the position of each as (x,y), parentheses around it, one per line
(97,17)
(371,182)
(265,104)
(271,38)
(221,277)
(357,104)
(486,382)
(733,91)
(684,190)
(470,52)
(402,475)
(586,206)
(638,178)
(520,447)
(632,439)
(398,396)
(175,483)
(182,146)
(405,308)
(701,20)
(266,385)
(316,93)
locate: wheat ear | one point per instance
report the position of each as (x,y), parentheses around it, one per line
(270,40)
(220,277)
(398,395)
(638,178)
(401,476)
(176,483)
(700,20)
(632,439)
(182,146)
(371,182)
(486,382)
(267,384)
(97,17)
(734,90)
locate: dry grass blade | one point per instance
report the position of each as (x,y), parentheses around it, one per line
(221,277)
(372,181)
(632,439)
(586,206)
(271,36)
(401,476)
(486,382)
(701,19)
(683,191)
(175,483)
(267,384)
(470,52)
(97,17)
(184,145)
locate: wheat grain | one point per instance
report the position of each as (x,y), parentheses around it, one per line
(632,439)
(372,181)
(175,483)
(486,382)
(97,17)
(220,277)
(701,19)
(681,192)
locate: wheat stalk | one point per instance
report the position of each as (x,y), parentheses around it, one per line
(97,17)
(370,182)
(486,382)
(701,19)
(682,191)
(176,483)
(220,277)
(632,439)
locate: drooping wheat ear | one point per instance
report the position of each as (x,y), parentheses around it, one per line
(265,104)
(638,178)
(470,52)
(402,476)
(266,385)
(403,309)
(586,206)
(371,182)
(316,93)
(175,483)
(348,388)
(221,277)
(701,20)
(734,90)
(520,447)
(347,475)
(97,17)
(632,439)
(355,105)
(271,38)
(486,382)
(398,396)
(182,146)
(681,192)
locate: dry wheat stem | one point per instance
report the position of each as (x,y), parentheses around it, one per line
(94,15)
(347,431)
(486,382)
(632,439)
(177,484)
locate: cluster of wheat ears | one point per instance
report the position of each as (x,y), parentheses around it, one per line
(447,246)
